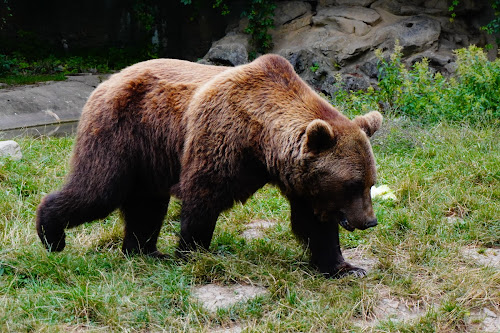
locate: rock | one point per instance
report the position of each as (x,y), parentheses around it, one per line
(435,58)
(232,50)
(349,20)
(438,61)
(10,149)
(415,10)
(370,68)
(288,11)
(485,321)
(340,37)
(354,82)
(290,17)
(451,68)
(362,3)
(415,34)
(346,25)
(366,15)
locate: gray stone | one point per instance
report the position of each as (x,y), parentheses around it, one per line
(415,34)
(342,35)
(362,3)
(370,68)
(355,82)
(10,149)
(231,50)
(451,68)
(288,11)
(366,15)
(415,10)
(345,25)
(289,17)
(391,6)
(438,61)
(489,313)
(255,229)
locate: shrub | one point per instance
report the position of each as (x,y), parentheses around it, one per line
(472,96)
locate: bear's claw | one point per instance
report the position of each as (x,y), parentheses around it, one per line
(56,244)
(347,269)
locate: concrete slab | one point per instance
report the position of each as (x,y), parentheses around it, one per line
(46,103)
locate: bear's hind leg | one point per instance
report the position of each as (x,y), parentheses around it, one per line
(67,209)
(143,217)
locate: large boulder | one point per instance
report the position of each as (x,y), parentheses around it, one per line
(231,50)
(339,37)
(415,34)
(348,20)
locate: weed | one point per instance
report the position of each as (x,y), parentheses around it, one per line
(472,97)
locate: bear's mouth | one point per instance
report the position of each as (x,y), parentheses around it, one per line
(345,224)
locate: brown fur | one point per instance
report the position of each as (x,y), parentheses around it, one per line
(214,135)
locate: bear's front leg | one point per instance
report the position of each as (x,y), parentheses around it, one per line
(322,239)
(198,219)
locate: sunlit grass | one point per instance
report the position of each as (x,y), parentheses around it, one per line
(446,178)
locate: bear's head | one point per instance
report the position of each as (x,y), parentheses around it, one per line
(340,169)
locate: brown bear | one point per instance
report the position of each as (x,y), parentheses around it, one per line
(214,135)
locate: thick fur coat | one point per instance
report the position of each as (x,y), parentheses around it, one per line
(214,135)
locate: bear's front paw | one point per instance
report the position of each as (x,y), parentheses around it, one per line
(53,242)
(346,269)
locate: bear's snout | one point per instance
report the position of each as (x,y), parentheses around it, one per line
(371,223)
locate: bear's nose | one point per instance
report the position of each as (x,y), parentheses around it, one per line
(371,223)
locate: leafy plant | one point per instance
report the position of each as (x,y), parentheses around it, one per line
(260,15)
(473,96)
(314,68)
(260,20)
(5,13)
(491,27)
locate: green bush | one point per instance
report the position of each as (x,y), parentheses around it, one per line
(19,68)
(472,96)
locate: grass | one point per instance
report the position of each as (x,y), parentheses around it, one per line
(446,178)
(30,79)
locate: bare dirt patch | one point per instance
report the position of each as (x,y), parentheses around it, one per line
(389,307)
(256,229)
(485,321)
(214,296)
(359,257)
(483,256)
(232,329)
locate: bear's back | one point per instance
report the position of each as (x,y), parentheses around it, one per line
(174,71)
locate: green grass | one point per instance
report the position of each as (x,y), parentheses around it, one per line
(436,172)
(30,79)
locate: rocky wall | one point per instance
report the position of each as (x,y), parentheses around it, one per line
(327,37)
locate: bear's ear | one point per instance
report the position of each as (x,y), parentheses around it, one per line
(370,122)
(319,136)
